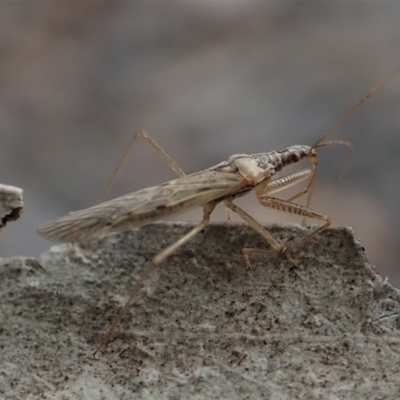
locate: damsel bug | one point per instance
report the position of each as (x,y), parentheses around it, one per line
(224,182)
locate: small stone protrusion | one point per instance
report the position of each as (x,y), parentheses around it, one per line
(11,204)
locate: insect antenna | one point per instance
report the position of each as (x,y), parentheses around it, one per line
(321,142)
(350,110)
(346,162)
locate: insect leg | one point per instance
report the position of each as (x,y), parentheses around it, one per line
(287,181)
(313,160)
(298,209)
(278,185)
(150,267)
(269,187)
(276,247)
(145,136)
(293,208)
(275,186)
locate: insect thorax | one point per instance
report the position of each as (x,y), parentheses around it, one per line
(271,161)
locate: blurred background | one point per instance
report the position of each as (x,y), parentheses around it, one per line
(206,79)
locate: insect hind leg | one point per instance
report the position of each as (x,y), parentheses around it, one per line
(151,266)
(159,150)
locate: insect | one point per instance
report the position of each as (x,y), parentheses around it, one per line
(224,182)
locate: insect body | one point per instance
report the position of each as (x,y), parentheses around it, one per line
(233,178)
(227,180)
(224,182)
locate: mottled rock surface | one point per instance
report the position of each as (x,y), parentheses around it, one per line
(204,327)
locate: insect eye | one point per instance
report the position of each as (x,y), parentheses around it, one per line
(295,157)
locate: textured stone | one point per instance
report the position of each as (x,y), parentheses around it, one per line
(204,327)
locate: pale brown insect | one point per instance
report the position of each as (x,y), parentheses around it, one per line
(224,182)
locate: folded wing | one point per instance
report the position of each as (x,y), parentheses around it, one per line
(144,206)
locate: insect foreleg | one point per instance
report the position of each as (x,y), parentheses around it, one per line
(263,191)
(287,181)
(309,188)
(150,267)
(145,136)
(293,208)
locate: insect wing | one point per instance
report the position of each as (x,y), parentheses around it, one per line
(142,207)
